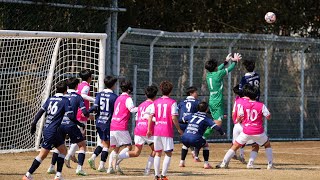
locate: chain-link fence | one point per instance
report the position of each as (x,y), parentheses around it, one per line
(287,66)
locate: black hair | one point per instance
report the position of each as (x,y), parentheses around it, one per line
(191,90)
(61,87)
(237,91)
(85,74)
(166,87)
(151,91)
(110,81)
(203,106)
(73,82)
(126,86)
(249,65)
(211,65)
(250,91)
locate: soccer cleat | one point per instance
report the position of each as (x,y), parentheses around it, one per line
(67,163)
(196,159)
(81,173)
(164,178)
(101,169)
(92,164)
(119,170)
(182,165)
(146,172)
(157,178)
(110,171)
(251,166)
(222,166)
(74,159)
(51,171)
(27,178)
(242,160)
(270,167)
(58,178)
(207,166)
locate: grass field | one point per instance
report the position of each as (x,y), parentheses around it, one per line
(293,160)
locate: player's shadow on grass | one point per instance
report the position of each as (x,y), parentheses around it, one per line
(176,173)
(11,174)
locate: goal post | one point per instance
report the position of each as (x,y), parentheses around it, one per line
(32,62)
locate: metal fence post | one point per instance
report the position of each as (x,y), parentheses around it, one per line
(114,24)
(266,74)
(302,90)
(194,42)
(151,56)
(135,77)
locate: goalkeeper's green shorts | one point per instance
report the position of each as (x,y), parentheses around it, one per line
(217,113)
(208,133)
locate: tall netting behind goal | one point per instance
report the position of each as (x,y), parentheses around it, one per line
(31,65)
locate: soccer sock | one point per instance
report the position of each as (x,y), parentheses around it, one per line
(241,152)
(228,156)
(123,151)
(269,155)
(165,165)
(96,152)
(72,151)
(60,162)
(54,157)
(111,158)
(253,156)
(184,152)
(196,152)
(124,155)
(206,154)
(35,164)
(81,157)
(156,165)
(150,162)
(104,155)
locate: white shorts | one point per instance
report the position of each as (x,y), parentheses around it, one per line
(141,140)
(120,138)
(260,139)
(163,144)
(237,129)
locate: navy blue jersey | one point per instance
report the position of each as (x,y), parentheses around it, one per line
(187,107)
(76,102)
(253,79)
(197,124)
(55,108)
(104,106)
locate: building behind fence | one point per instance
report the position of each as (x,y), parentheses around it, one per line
(288,67)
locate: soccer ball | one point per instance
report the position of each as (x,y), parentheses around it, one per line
(270,17)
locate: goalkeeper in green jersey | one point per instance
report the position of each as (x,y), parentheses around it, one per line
(214,79)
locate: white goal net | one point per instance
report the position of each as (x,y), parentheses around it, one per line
(31,65)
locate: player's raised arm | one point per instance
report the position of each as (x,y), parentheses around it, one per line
(130,105)
(221,66)
(266,113)
(84,94)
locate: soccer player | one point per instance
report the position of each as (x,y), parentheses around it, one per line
(197,125)
(250,77)
(214,79)
(251,114)
(165,111)
(69,127)
(141,129)
(104,107)
(119,134)
(187,107)
(55,108)
(83,89)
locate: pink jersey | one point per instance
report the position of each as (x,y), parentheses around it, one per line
(142,120)
(253,113)
(163,110)
(237,104)
(83,88)
(121,114)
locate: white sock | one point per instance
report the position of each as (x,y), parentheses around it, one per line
(182,161)
(79,167)
(111,159)
(123,151)
(150,162)
(124,155)
(156,165)
(51,166)
(269,155)
(228,156)
(58,174)
(28,174)
(56,151)
(39,159)
(206,162)
(241,152)
(72,151)
(165,165)
(93,157)
(102,164)
(253,156)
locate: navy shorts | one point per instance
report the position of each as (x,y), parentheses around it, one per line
(104,133)
(192,141)
(73,132)
(183,127)
(52,139)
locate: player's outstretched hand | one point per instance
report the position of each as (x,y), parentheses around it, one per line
(229,57)
(149,134)
(33,128)
(236,57)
